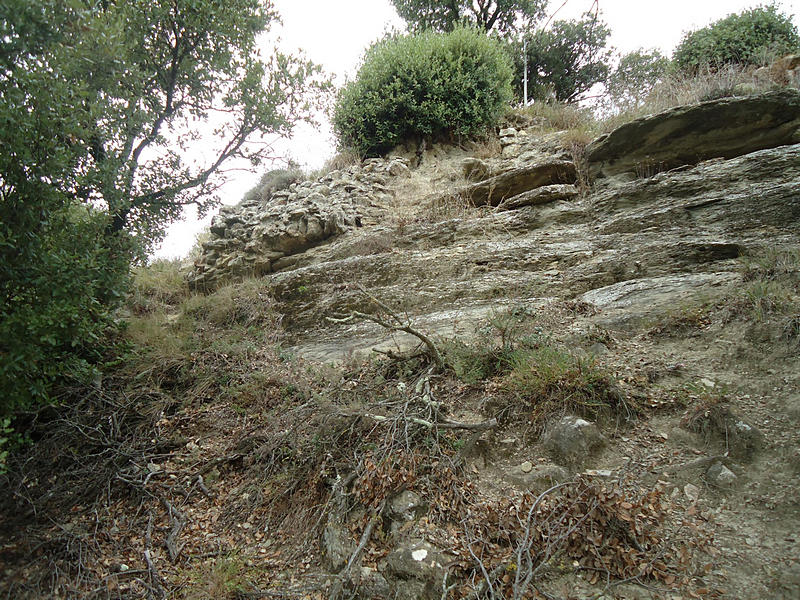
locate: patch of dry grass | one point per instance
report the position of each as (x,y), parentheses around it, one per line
(557,116)
(160,284)
(341,160)
(679,89)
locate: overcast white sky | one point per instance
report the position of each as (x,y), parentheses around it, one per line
(334,34)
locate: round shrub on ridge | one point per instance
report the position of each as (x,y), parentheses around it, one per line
(430,85)
(744,39)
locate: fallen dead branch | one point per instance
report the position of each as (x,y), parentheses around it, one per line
(344,575)
(393,322)
(445,424)
(614,534)
(178,521)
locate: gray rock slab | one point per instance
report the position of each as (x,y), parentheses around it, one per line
(686,135)
(494,190)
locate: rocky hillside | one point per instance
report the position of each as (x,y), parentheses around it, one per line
(521,368)
(667,205)
(643,239)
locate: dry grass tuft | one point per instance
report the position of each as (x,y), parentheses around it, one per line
(158,285)
(487,148)
(246,303)
(681,90)
(557,116)
(341,160)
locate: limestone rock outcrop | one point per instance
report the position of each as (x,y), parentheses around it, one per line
(540,195)
(627,249)
(687,135)
(572,440)
(603,269)
(784,71)
(257,238)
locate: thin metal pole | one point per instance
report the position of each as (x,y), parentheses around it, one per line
(525,73)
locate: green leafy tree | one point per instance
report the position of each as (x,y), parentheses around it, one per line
(743,39)
(503,16)
(100,102)
(636,74)
(565,60)
(425,86)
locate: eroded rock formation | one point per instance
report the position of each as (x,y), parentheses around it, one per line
(257,238)
(627,246)
(638,244)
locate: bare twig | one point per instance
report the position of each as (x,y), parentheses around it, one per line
(155,577)
(488,577)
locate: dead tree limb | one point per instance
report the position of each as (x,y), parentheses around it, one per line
(155,577)
(178,520)
(393,323)
(344,574)
(490,424)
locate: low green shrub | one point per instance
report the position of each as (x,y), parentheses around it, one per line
(551,380)
(5,431)
(59,285)
(426,86)
(273,181)
(746,38)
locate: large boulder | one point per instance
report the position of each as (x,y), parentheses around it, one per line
(572,440)
(416,569)
(687,135)
(540,195)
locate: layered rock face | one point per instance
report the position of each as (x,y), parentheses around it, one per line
(687,135)
(631,245)
(613,256)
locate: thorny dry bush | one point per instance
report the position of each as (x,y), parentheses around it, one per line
(612,533)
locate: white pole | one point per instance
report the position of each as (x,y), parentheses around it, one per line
(525,74)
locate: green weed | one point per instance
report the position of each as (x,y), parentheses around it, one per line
(224,578)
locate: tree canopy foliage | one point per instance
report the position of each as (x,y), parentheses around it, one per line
(744,38)
(635,75)
(429,85)
(100,104)
(503,16)
(564,60)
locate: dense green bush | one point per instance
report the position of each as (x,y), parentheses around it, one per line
(93,131)
(743,38)
(429,85)
(59,286)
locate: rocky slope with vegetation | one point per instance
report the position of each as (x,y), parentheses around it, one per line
(515,368)
(485,353)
